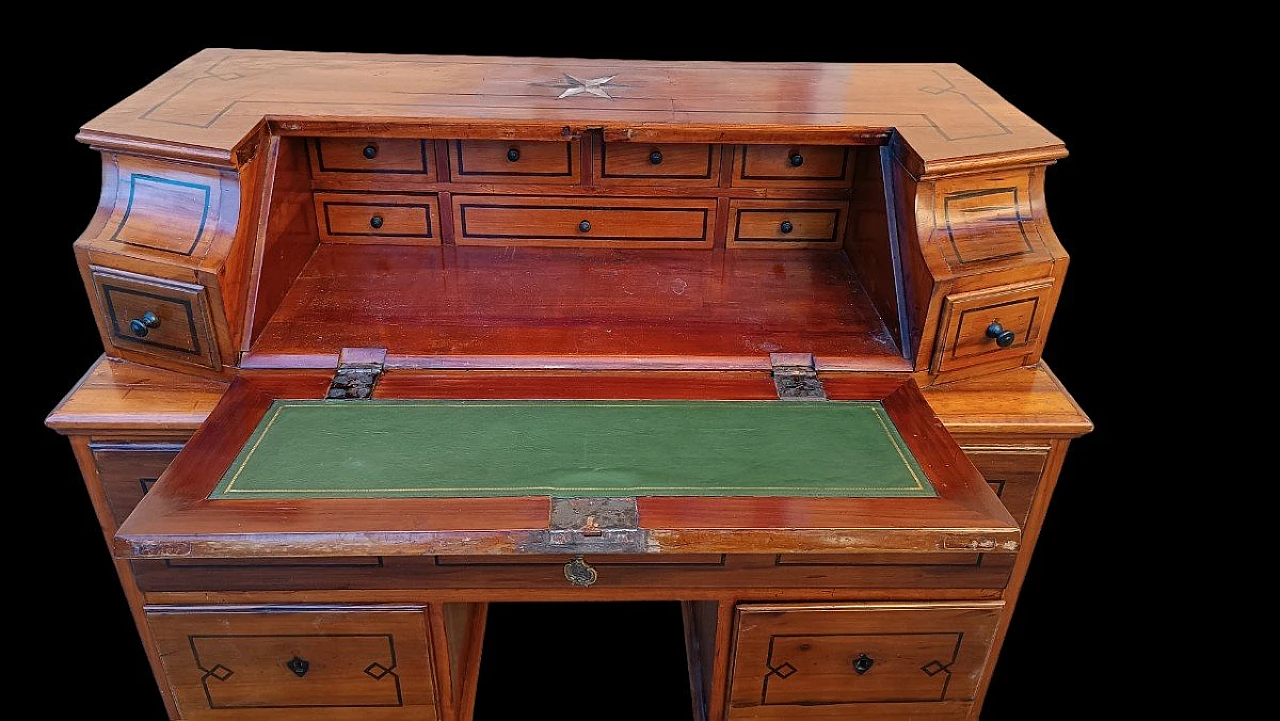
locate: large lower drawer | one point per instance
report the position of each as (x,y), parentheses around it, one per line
(281,662)
(864,660)
(572,221)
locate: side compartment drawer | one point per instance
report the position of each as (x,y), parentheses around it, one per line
(378,218)
(159,317)
(973,324)
(282,662)
(787,223)
(809,166)
(571,221)
(127,470)
(368,158)
(516,161)
(1013,473)
(686,164)
(861,660)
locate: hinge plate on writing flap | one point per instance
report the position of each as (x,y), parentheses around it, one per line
(795,375)
(358,371)
(591,525)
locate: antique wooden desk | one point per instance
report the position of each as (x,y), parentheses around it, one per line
(392,338)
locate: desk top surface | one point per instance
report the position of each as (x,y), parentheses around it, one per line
(936,115)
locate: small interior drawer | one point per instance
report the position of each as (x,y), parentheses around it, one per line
(688,164)
(787,223)
(577,221)
(860,660)
(378,218)
(810,166)
(520,161)
(155,316)
(127,470)
(278,662)
(972,324)
(340,157)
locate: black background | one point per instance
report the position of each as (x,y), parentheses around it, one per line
(1069,605)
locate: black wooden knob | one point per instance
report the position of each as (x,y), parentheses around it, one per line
(796,159)
(584,226)
(786,226)
(142,326)
(863,663)
(375,221)
(1004,338)
(298,666)
(655,157)
(513,154)
(371,151)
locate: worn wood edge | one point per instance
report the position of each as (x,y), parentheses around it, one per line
(1086,422)
(659,541)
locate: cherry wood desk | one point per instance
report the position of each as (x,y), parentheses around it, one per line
(356,231)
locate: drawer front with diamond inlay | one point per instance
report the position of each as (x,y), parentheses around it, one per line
(281,662)
(860,660)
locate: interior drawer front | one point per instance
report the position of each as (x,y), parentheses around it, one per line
(282,662)
(872,660)
(127,470)
(520,161)
(696,164)
(377,218)
(787,223)
(371,156)
(969,333)
(1013,473)
(810,166)
(172,317)
(568,221)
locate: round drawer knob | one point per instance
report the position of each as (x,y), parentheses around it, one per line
(786,226)
(655,157)
(299,666)
(370,151)
(142,326)
(580,573)
(375,221)
(863,663)
(513,154)
(1004,338)
(585,226)
(796,159)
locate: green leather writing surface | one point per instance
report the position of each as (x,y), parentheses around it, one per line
(416,448)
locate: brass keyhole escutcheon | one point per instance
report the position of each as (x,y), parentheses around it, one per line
(580,573)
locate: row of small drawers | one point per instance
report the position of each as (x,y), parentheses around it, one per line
(790,661)
(559,163)
(357,217)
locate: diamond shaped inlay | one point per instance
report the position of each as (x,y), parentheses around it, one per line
(933,668)
(783,671)
(220,672)
(377,670)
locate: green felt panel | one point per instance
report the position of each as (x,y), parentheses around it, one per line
(412,448)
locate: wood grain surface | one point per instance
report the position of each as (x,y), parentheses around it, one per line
(213,104)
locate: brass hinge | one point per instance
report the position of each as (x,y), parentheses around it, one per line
(795,375)
(358,371)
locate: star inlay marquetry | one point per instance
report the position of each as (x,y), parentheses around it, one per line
(572,86)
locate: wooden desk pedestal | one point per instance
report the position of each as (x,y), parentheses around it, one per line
(304,226)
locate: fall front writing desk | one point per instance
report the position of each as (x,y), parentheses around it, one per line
(390,338)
